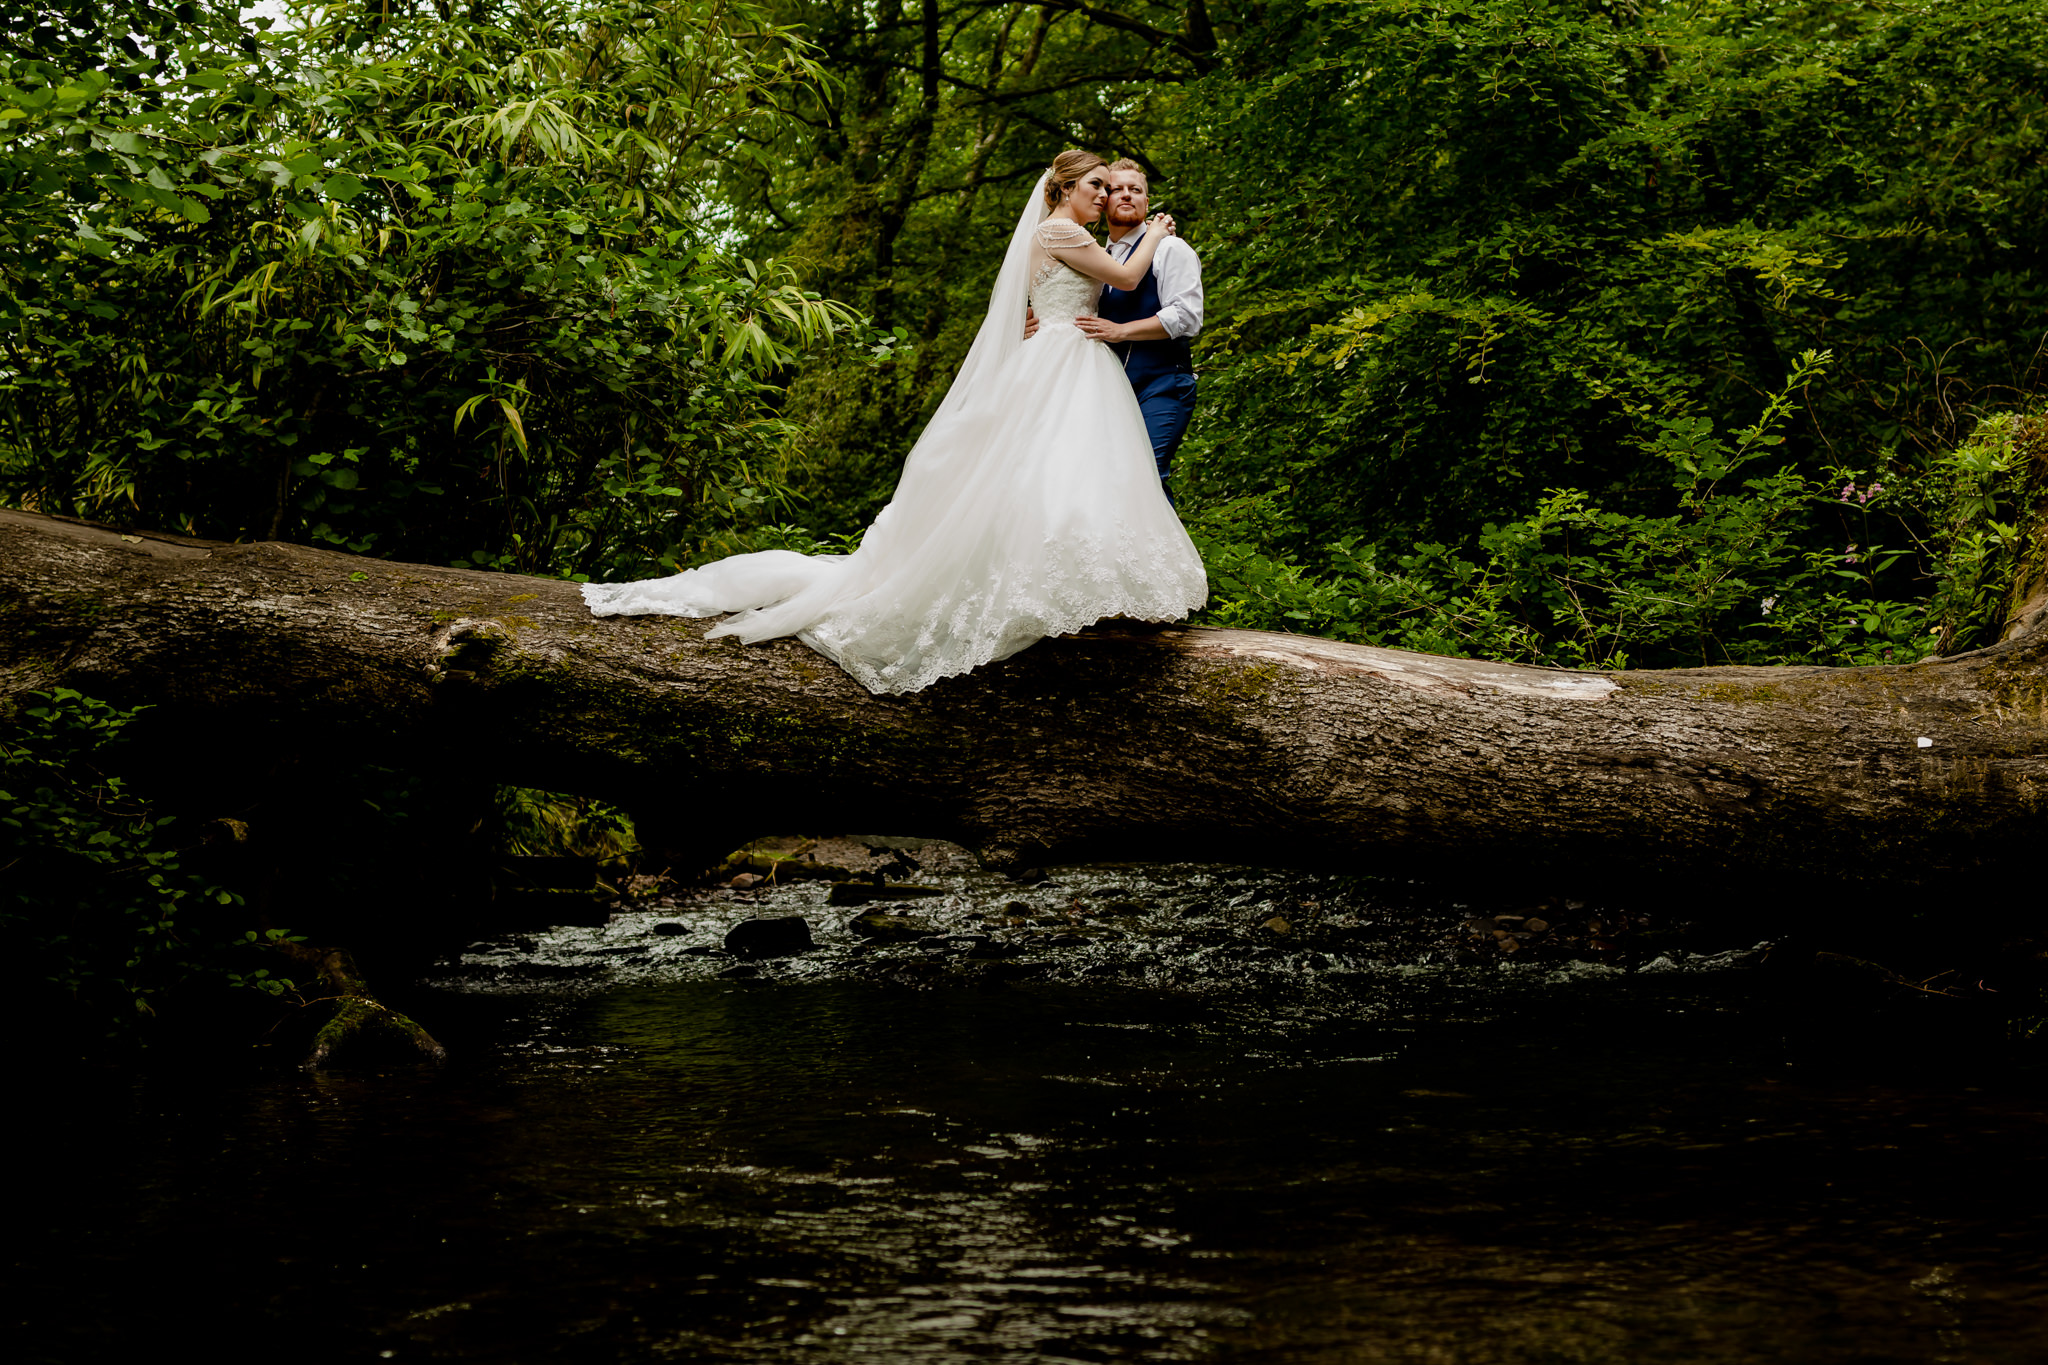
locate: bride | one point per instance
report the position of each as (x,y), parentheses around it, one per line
(1029,507)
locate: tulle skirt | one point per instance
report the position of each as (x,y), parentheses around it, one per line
(1029,509)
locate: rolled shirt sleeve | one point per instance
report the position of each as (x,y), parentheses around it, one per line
(1179,272)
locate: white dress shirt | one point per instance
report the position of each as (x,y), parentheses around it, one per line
(1178,272)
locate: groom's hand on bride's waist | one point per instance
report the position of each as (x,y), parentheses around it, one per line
(1101,329)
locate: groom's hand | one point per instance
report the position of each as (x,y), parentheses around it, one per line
(1030,323)
(1101,329)
(1144,329)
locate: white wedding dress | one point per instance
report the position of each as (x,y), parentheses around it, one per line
(1029,507)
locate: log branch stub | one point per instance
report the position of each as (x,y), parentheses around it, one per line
(355,1016)
(1192,744)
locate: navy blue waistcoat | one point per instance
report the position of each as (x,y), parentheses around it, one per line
(1144,359)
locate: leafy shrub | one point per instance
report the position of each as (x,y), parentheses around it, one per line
(1984,504)
(530,822)
(98,902)
(436,288)
(1731,577)
(1510,247)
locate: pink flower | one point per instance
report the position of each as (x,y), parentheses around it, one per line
(1848,492)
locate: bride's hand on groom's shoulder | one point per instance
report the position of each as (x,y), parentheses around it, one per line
(1163,222)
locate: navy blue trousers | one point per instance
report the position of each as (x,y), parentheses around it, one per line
(1168,401)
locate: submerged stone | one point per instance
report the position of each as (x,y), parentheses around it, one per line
(770,936)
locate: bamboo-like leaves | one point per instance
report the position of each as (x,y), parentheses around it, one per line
(514,423)
(449,290)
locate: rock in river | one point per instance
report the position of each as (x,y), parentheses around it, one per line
(769,936)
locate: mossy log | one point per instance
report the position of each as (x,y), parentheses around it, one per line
(1190,744)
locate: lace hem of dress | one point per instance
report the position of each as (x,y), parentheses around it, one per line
(968,627)
(641,598)
(890,680)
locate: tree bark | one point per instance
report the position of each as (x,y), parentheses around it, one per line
(1193,744)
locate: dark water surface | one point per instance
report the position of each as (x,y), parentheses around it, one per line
(1406,1158)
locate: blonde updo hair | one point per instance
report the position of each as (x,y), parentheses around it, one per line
(1067,169)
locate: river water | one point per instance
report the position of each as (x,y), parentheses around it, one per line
(1136,1122)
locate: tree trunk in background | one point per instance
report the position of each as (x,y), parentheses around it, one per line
(910,174)
(1195,744)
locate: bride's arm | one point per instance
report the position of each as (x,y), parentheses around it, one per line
(1091,260)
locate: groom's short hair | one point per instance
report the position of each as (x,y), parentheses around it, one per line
(1126,164)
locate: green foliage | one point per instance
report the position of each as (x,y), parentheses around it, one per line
(439,288)
(98,899)
(1984,507)
(1512,244)
(535,823)
(1726,579)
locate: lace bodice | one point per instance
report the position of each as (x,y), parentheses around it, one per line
(1060,293)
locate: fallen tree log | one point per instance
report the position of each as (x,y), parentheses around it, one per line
(1192,744)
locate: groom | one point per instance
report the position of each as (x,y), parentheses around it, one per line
(1149,327)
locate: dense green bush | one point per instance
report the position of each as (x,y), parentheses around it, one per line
(1498,269)
(445,289)
(529,822)
(1485,249)
(1723,580)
